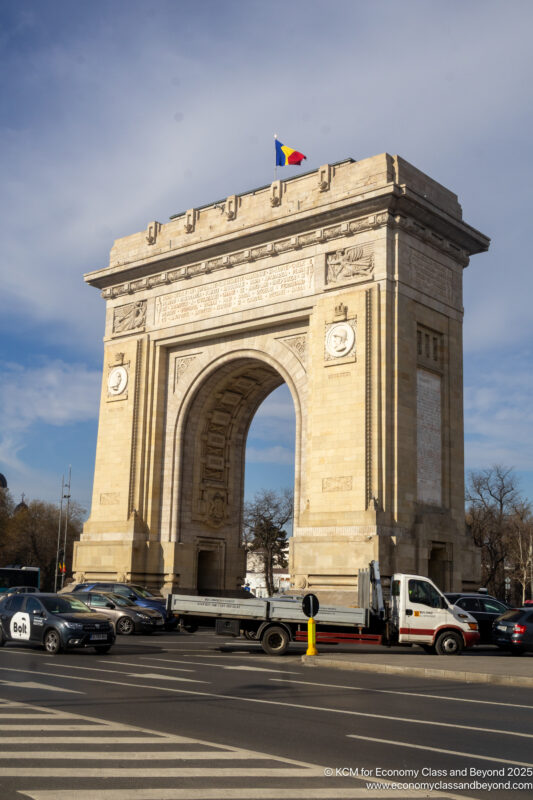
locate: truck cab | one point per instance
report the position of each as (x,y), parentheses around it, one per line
(420,614)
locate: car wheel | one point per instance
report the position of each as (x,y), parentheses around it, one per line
(103,649)
(449,643)
(275,641)
(125,626)
(52,642)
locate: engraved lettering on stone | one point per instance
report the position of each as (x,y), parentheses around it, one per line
(109,498)
(117,381)
(285,280)
(340,340)
(129,317)
(342,484)
(351,262)
(429,438)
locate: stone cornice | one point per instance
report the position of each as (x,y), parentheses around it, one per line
(288,244)
(401,191)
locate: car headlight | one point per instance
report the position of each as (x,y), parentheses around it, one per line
(142,616)
(74,626)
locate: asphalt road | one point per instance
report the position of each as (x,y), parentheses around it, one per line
(174,716)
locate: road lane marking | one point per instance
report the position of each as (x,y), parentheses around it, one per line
(137,664)
(441,750)
(162,772)
(157,676)
(59,727)
(31,685)
(258,793)
(301,706)
(73,740)
(220,666)
(173,755)
(447,698)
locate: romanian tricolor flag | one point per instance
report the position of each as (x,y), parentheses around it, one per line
(286,155)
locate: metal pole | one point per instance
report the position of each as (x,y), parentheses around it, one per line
(59,531)
(67,496)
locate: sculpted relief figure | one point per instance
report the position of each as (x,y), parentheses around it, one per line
(340,339)
(349,263)
(129,317)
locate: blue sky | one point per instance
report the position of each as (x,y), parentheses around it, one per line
(116,113)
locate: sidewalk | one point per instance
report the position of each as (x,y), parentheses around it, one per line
(479,665)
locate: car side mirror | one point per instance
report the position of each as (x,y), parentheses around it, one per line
(132,597)
(37,612)
(110,605)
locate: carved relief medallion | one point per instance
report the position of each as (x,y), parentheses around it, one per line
(340,340)
(129,317)
(117,381)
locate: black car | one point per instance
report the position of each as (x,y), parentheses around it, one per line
(513,631)
(59,622)
(483,607)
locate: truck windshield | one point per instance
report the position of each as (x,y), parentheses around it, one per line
(424,593)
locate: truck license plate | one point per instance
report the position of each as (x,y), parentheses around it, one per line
(98,636)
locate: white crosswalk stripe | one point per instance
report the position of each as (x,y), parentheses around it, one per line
(196,769)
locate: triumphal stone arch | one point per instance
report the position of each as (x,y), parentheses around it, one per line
(345,284)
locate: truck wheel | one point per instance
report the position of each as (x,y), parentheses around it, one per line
(275,641)
(449,643)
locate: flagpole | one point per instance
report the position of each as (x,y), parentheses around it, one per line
(275,159)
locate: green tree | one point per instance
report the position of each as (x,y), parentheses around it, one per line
(264,521)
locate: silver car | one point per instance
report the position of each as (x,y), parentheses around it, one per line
(127,617)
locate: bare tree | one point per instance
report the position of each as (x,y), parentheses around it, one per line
(264,529)
(31,538)
(520,556)
(492,498)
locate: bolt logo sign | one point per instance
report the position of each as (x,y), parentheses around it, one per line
(20,626)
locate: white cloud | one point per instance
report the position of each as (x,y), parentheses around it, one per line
(53,393)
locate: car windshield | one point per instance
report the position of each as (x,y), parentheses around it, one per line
(63,605)
(119,600)
(143,592)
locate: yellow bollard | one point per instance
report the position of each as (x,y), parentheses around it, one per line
(311,638)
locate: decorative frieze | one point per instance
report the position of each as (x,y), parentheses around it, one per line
(279,247)
(181,365)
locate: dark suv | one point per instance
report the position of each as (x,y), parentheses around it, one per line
(57,621)
(483,608)
(137,594)
(513,631)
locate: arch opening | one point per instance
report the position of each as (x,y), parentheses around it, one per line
(212,471)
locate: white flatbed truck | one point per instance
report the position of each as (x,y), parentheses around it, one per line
(418,613)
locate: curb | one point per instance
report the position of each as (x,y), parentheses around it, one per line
(420,672)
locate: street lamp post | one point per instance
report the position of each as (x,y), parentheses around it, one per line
(67,498)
